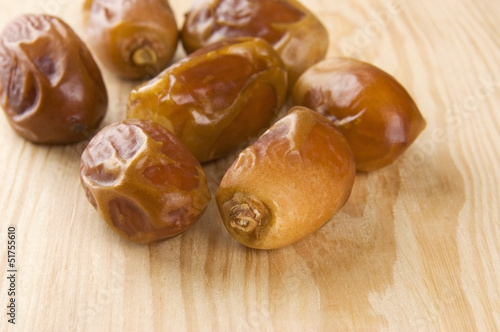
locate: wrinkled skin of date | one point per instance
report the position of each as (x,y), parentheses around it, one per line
(287,184)
(217,98)
(50,86)
(298,36)
(144,182)
(374,112)
(135,38)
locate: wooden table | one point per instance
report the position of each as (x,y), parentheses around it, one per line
(416,248)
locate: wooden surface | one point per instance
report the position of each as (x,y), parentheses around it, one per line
(416,248)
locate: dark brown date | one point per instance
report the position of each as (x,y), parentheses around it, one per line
(50,86)
(144,182)
(133,38)
(374,112)
(297,35)
(217,98)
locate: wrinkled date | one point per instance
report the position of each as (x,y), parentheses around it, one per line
(287,184)
(50,86)
(296,33)
(216,98)
(132,38)
(144,182)
(374,112)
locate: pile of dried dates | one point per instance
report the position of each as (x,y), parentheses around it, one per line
(245,59)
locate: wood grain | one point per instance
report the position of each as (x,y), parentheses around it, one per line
(416,248)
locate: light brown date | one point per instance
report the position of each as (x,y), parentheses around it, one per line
(295,32)
(50,86)
(217,98)
(374,112)
(287,184)
(133,38)
(144,182)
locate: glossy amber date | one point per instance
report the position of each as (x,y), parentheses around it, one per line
(50,86)
(217,98)
(296,33)
(133,38)
(287,184)
(144,182)
(374,112)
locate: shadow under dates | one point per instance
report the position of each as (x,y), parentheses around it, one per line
(68,156)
